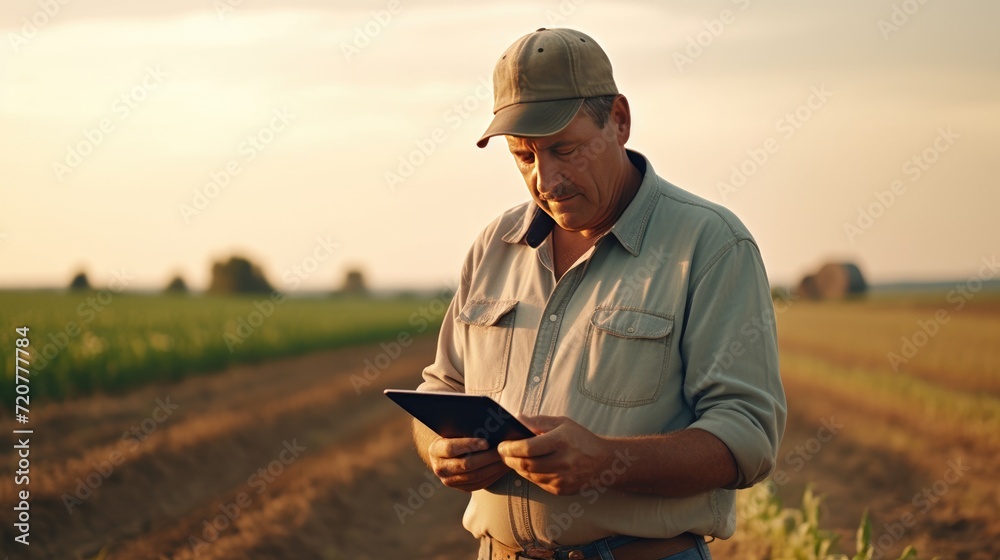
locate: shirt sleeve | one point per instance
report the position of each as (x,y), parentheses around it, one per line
(447,373)
(730,350)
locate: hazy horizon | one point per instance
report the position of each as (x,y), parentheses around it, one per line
(120,116)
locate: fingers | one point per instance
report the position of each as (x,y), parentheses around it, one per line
(476,479)
(545,464)
(531,447)
(464,462)
(542,424)
(444,467)
(549,438)
(456,447)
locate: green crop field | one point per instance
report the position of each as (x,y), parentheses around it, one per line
(82,342)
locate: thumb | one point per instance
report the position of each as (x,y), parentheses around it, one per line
(542,424)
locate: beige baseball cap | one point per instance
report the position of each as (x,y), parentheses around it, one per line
(541,80)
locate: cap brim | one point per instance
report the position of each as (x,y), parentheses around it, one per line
(540,118)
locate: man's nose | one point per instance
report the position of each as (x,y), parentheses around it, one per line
(550,177)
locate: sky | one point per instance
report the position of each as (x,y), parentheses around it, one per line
(154,138)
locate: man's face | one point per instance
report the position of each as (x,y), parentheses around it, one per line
(577,175)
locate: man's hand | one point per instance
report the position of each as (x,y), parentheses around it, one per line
(562,458)
(464,463)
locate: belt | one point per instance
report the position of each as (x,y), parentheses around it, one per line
(626,548)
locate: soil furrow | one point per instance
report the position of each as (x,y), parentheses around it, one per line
(201,450)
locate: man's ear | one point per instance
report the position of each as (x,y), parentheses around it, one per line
(621,119)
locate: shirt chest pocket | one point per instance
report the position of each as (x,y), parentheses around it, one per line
(487,350)
(626,357)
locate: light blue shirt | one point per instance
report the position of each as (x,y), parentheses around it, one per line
(665,323)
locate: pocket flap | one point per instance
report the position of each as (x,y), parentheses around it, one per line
(485,313)
(629,323)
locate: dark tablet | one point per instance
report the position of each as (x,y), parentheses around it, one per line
(455,415)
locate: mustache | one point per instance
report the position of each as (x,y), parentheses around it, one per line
(562,190)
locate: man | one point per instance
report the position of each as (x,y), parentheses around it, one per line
(627,322)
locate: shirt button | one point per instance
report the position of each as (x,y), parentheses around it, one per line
(630,329)
(517,483)
(536,379)
(553,317)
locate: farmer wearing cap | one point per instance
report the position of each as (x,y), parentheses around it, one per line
(626,321)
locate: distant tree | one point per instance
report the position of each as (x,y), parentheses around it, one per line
(833,281)
(840,280)
(354,283)
(79,282)
(237,276)
(176,286)
(807,287)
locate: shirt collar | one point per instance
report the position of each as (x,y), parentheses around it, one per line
(630,228)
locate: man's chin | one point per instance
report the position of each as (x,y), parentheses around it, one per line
(568,223)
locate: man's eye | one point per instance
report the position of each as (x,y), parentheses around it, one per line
(526,158)
(566,151)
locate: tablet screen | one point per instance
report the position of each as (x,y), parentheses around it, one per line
(454,415)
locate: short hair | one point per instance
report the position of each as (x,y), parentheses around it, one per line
(598,108)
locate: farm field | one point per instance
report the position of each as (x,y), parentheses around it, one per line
(100,341)
(293,458)
(917,443)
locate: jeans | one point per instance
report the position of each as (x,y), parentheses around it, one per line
(699,552)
